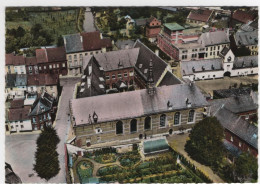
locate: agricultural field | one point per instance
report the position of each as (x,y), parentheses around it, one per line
(23,23)
(106,165)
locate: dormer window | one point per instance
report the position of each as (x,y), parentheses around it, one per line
(98,130)
(140,65)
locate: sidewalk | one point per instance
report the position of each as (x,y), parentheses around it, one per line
(177,142)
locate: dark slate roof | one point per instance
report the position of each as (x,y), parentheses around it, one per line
(42,79)
(136,103)
(10,176)
(200,15)
(243,16)
(224,51)
(238,104)
(246,38)
(95,88)
(169,79)
(73,43)
(232,148)
(214,38)
(19,114)
(124,44)
(245,62)
(10,80)
(117,59)
(42,104)
(145,56)
(17,103)
(238,126)
(187,66)
(21,80)
(226,93)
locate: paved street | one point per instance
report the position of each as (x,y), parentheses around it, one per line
(88,24)
(20,148)
(177,142)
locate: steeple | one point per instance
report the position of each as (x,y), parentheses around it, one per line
(150,81)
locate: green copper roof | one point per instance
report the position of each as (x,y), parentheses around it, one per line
(173,26)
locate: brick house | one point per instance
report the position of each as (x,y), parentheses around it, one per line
(152,29)
(42,111)
(200,16)
(239,131)
(52,60)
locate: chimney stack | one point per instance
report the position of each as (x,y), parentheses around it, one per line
(157,52)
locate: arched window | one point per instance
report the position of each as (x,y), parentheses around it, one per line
(147,123)
(162,120)
(119,127)
(191,116)
(133,125)
(177,118)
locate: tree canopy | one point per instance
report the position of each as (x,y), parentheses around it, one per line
(205,144)
(46,156)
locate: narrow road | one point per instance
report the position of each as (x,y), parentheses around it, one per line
(177,142)
(89,23)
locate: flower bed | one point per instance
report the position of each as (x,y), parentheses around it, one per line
(84,170)
(130,159)
(109,170)
(106,158)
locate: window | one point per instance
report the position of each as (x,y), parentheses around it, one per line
(191,116)
(147,123)
(231,139)
(125,74)
(69,57)
(113,76)
(133,125)
(162,120)
(40,118)
(131,73)
(30,68)
(40,68)
(63,64)
(98,130)
(22,126)
(214,75)
(44,116)
(12,127)
(50,66)
(119,127)
(107,77)
(218,47)
(210,48)
(51,87)
(86,54)
(34,120)
(75,57)
(184,56)
(119,75)
(177,118)
(58,65)
(211,53)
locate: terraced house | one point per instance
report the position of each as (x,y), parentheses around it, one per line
(122,118)
(83,44)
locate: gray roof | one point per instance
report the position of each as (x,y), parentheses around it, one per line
(214,38)
(238,104)
(42,104)
(224,51)
(124,44)
(137,103)
(246,38)
(248,27)
(73,43)
(238,126)
(116,59)
(145,56)
(141,22)
(246,62)
(21,80)
(187,66)
(10,80)
(170,79)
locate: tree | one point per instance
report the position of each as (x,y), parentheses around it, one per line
(205,144)
(245,167)
(60,41)
(20,32)
(46,157)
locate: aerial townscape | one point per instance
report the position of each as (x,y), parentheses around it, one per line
(131,94)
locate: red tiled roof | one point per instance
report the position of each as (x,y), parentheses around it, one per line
(243,16)
(200,15)
(41,56)
(42,79)
(17,103)
(9,59)
(92,41)
(56,54)
(19,114)
(30,61)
